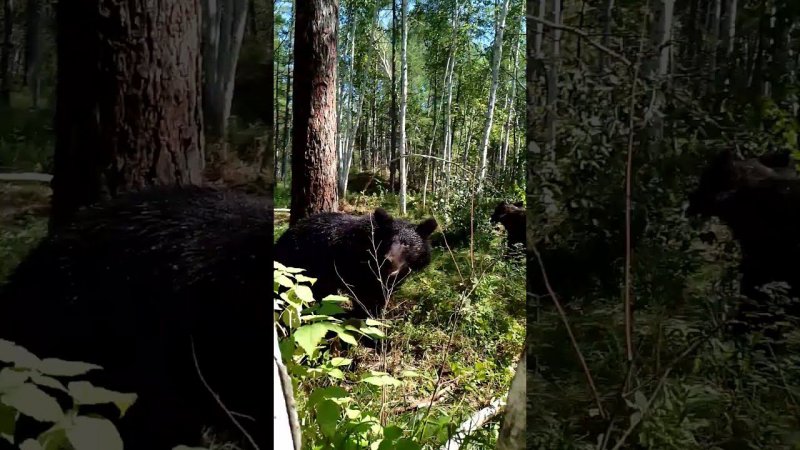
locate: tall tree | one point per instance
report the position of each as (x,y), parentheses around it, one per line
(403,103)
(5,52)
(224,22)
(128,112)
(268,164)
(497,54)
(314,92)
(33,48)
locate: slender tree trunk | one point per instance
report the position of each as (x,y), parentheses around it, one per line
(128,112)
(728,35)
(510,106)
(497,54)
(33,50)
(403,103)
(552,80)
(608,25)
(314,129)
(268,162)
(286,114)
(393,144)
(223,31)
(5,53)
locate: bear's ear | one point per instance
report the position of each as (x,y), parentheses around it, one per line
(382,218)
(777,160)
(427,227)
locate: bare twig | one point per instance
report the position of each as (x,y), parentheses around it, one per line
(572,339)
(584,35)
(227,411)
(628,176)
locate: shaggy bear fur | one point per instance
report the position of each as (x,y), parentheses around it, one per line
(133,284)
(512,217)
(333,247)
(759,200)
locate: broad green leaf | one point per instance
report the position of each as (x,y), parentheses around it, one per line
(328,414)
(336,373)
(336,298)
(33,402)
(343,334)
(326,393)
(61,368)
(305,279)
(90,433)
(309,336)
(17,355)
(375,323)
(409,374)
(304,293)
(284,281)
(328,308)
(11,379)
(84,393)
(293,270)
(392,432)
(382,380)
(31,444)
(339,361)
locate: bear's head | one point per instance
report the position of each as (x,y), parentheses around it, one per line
(405,246)
(726,174)
(503,209)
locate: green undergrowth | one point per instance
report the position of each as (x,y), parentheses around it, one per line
(455,328)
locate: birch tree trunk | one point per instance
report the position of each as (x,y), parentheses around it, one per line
(403,103)
(512,431)
(510,106)
(658,67)
(728,36)
(314,129)
(497,54)
(223,24)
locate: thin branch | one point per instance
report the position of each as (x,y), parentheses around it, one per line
(585,36)
(219,401)
(572,339)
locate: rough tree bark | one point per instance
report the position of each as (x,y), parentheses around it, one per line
(223,24)
(314,126)
(128,112)
(512,433)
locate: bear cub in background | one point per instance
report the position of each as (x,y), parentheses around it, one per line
(512,217)
(368,256)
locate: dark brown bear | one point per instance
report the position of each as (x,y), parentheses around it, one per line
(347,252)
(512,217)
(759,200)
(143,284)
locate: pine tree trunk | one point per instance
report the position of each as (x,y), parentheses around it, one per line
(314,135)
(128,112)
